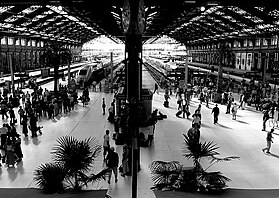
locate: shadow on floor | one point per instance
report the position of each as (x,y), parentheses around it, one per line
(242,122)
(223,126)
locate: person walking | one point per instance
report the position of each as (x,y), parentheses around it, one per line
(275,117)
(229,104)
(112,161)
(125,161)
(94,83)
(104,106)
(215,112)
(106,144)
(100,86)
(20,113)
(234,111)
(3,135)
(268,141)
(10,159)
(24,123)
(4,110)
(33,125)
(265,118)
(156,88)
(18,150)
(12,115)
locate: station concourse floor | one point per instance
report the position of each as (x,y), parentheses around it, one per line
(241,137)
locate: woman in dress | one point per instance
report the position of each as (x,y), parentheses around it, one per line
(10,161)
(24,125)
(125,161)
(18,150)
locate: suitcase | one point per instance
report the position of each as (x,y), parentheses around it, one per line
(166,103)
(178,113)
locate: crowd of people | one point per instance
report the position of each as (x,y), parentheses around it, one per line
(11,152)
(29,108)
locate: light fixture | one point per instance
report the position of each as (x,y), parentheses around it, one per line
(59,8)
(202,8)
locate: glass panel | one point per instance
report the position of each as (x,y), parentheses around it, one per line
(33,43)
(23,42)
(5,8)
(258,41)
(10,41)
(4,40)
(30,9)
(13,18)
(265,43)
(6,25)
(17,41)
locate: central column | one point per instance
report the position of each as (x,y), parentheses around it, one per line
(134,96)
(133,47)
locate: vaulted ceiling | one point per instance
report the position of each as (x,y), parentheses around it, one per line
(79,21)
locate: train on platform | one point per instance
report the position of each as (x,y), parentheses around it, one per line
(95,71)
(91,72)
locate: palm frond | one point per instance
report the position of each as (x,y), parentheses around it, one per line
(198,150)
(75,154)
(163,166)
(224,159)
(214,177)
(208,149)
(165,172)
(97,177)
(49,177)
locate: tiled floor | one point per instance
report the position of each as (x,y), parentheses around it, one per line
(242,137)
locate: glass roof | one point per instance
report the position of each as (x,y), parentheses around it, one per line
(189,23)
(28,22)
(5,8)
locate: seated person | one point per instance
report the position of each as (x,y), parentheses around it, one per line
(142,140)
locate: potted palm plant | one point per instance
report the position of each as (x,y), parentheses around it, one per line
(73,161)
(173,176)
(206,181)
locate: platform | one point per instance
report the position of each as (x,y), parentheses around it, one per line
(241,137)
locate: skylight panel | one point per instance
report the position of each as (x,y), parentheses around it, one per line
(21,28)
(260,8)
(5,8)
(72,18)
(229,18)
(30,9)
(48,12)
(212,9)
(274,13)
(38,17)
(264,26)
(26,23)
(220,13)
(57,9)
(6,25)
(254,19)
(245,14)
(247,30)
(237,10)
(13,18)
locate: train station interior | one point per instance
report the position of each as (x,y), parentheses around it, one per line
(207,53)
